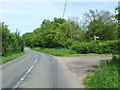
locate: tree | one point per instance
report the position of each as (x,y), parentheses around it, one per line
(11,42)
(27,37)
(117,17)
(56,33)
(117,10)
(101,24)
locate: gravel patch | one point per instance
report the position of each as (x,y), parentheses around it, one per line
(82,65)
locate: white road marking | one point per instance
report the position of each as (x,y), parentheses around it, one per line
(24,77)
(37,55)
(36,60)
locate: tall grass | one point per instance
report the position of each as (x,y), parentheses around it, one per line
(105,76)
(55,52)
(4,59)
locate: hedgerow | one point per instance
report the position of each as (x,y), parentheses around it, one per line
(98,47)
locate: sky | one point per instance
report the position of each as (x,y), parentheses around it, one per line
(27,16)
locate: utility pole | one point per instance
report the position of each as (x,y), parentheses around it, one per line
(118,13)
(64,9)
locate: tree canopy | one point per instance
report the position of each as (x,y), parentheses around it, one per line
(101,24)
(56,33)
(11,42)
(61,33)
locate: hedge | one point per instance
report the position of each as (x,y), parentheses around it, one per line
(98,47)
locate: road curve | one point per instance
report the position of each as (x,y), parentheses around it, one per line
(37,70)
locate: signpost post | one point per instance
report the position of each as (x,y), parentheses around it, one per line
(95,37)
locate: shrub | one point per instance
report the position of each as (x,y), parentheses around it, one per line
(11,42)
(108,47)
(105,76)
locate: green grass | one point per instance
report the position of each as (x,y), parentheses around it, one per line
(4,59)
(55,52)
(90,54)
(65,52)
(105,76)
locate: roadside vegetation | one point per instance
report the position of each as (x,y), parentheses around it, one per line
(96,47)
(12,44)
(56,52)
(96,26)
(105,76)
(4,59)
(97,33)
(65,52)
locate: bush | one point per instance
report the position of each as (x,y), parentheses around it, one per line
(83,47)
(11,42)
(105,76)
(108,47)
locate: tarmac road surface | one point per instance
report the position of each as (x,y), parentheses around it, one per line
(37,70)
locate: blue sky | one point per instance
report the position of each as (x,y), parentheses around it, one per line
(27,16)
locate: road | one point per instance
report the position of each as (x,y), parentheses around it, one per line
(37,70)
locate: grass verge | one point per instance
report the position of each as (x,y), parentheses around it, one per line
(4,59)
(65,52)
(89,54)
(105,76)
(55,52)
